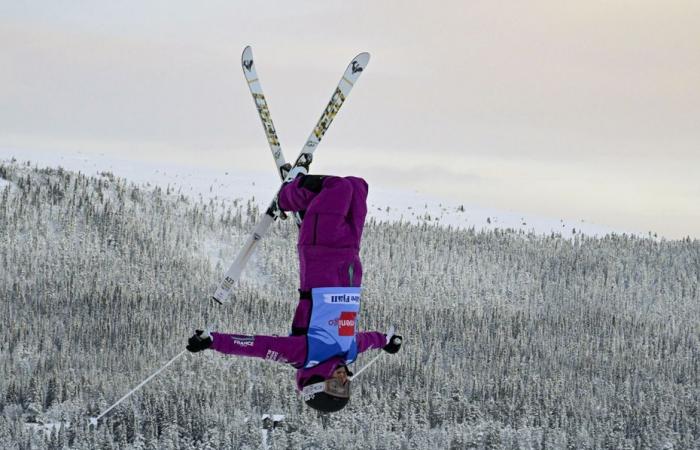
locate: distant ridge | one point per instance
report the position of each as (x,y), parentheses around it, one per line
(384,204)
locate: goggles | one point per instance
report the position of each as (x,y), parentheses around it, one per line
(332,386)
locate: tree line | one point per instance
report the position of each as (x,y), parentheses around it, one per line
(513,340)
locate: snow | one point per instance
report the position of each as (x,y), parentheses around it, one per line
(193,181)
(414,207)
(275,417)
(46,427)
(384,204)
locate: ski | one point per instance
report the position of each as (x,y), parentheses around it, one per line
(350,76)
(251,76)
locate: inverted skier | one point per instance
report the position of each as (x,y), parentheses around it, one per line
(324,339)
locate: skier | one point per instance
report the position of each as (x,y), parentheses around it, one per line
(323,340)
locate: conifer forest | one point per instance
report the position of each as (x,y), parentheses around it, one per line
(511,340)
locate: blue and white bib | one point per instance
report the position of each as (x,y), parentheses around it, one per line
(334,314)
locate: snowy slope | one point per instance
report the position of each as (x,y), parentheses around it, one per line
(384,203)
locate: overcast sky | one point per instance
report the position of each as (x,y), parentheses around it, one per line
(583,110)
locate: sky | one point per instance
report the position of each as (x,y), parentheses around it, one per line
(580,110)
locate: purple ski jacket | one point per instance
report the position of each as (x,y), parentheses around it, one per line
(329,256)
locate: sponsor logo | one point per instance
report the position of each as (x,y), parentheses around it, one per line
(248,64)
(264,113)
(341,299)
(345,323)
(355,67)
(329,113)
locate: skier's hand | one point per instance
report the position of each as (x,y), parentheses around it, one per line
(394,344)
(199,341)
(275,211)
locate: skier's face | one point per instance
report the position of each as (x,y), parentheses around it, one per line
(341,374)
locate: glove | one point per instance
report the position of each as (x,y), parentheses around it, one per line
(394,344)
(199,341)
(275,211)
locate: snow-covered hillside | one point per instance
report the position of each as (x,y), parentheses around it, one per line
(511,340)
(384,203)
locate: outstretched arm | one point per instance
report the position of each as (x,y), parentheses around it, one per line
(289,350)
(374,339)
(368,340)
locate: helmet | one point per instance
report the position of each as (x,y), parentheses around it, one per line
(326,395)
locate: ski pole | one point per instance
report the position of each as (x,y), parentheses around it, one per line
(365,367)
(93,420)
(396,340)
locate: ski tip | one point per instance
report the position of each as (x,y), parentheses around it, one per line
(356,66)
(362,58)
(247,61)
(247,53)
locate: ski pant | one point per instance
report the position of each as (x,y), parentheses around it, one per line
(333,210)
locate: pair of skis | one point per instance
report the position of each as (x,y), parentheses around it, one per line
(350,76)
